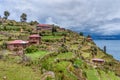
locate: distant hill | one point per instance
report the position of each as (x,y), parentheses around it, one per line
(97,36)
(111,37)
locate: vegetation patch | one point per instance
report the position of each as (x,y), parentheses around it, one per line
(51,37)
(66,55)
(36,55)
(31,49)
(91,74)
(12,71)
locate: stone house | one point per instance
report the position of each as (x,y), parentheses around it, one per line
(17,44)
(34,39)
(43,27)
(98,61)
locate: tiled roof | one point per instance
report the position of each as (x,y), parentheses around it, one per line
(42,25)
(18,42)
(89,38)
(34,35)
(97,59)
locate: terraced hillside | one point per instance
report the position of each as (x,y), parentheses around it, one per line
(62,55)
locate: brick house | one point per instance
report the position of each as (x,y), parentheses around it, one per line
(43,27)
(34,39)
(17,44)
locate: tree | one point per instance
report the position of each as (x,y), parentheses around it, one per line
(88,36)
(54,29)
(6,14)
(23,17)
(81,33)
(0,20)
(33,23)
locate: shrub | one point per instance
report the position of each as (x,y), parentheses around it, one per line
(62,49)
(78,63)
(88,36)
(9,38)
(4,45)
(49,78)
(31,49)
(10,23)
(4,28)
(84,74)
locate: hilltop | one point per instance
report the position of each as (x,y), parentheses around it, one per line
(61,55)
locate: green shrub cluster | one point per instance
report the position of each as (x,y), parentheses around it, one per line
(62,49)
(9,28)
(77,63)
(31,49)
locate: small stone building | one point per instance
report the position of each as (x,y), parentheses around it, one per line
(89,39)
(17,44)
(43,27)
(98,61)
(34,39)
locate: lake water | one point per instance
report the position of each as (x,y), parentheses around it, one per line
(112,47)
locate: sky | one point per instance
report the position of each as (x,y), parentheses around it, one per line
(95,16)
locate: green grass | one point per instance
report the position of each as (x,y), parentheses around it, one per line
(108,76)
(60,33)
(92,74)
(78,62)
(37,55)
(62,66)
(74,46)
(85,54)
(51,37)
(66,55)
(16,72)
(3,37)
(11,28)
(113,76)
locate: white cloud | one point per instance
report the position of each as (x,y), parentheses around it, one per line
(109,29)
(49,20)
(82,14)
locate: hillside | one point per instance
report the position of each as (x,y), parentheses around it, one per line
(61,55)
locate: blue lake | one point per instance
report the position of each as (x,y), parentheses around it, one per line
(112,46)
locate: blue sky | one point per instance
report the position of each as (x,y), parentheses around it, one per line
(97,16)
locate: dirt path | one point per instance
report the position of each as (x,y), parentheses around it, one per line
(48,74)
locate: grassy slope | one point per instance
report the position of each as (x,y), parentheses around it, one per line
(16,72)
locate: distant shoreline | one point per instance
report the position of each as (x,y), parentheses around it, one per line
(106,39)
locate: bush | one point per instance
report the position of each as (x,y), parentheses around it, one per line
(78,63)
(9,38)
(31,49)
(4,45)
(49,78)
(10,23)
(84,74)
(62,49)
